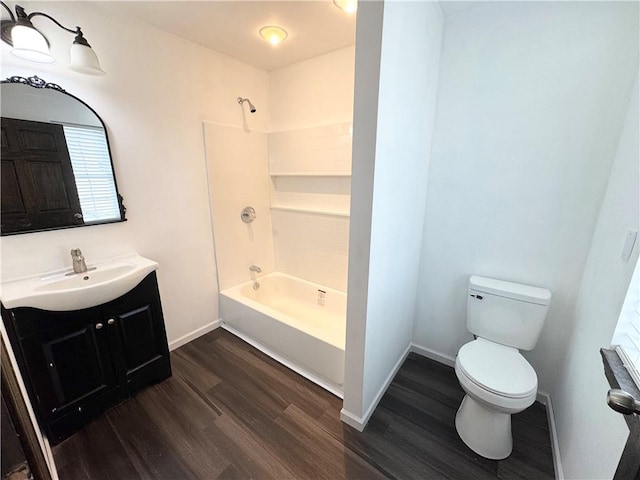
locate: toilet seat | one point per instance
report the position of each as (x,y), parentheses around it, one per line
(496,368)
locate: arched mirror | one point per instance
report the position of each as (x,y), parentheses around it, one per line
(56,163)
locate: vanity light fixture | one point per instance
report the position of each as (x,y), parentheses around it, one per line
(349,6)
(273,34)
(30,44)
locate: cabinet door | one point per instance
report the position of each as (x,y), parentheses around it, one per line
(69,365)
(137,336)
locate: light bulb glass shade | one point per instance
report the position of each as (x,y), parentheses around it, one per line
(349,6)
(272,34)
(84,60)
(30,44)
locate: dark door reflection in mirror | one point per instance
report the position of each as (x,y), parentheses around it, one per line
(57,170)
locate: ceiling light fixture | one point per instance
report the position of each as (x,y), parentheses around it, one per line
(272,34)
(30,44)
(349,6)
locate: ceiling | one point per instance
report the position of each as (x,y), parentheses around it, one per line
(231,27)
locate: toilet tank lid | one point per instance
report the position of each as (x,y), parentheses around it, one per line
(517,291)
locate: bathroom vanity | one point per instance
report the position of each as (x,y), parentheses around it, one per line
(77,363)
(86,338)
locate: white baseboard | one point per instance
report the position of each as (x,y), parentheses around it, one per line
(352,420)
(433,355)
(360,422)
(287,363)
(178,342)
(545,399)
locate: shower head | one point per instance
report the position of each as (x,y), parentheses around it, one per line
(252,109)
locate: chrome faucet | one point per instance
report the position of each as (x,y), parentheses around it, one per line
(79,265)
(255,270)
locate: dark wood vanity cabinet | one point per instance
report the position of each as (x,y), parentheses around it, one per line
(76,364)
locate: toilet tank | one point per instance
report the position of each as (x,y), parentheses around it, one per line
(507,313)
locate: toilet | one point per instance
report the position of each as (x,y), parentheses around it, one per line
(498,381)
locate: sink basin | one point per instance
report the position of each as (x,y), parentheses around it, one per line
(61,291)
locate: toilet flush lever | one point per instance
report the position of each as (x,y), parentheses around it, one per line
(479,297)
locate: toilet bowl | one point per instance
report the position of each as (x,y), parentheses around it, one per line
(505,317)
(498,382)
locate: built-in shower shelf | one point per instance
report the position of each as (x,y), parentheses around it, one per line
(319,211)
(310,174)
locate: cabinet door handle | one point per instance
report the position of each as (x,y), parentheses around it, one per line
(99,326)
(623,402)
(111,321)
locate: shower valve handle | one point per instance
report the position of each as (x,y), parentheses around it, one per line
(248,214)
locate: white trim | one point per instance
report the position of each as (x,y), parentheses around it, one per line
(433,355)
(198,332)
(287,363)
(360,423)
(545,399)
(352,420)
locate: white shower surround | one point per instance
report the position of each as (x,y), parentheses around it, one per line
(296,174)
(286,319)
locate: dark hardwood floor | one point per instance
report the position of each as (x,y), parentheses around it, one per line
(231,412)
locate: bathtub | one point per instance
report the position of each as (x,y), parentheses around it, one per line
(299,323)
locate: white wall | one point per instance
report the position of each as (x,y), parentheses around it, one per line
(238,175)
(314,92)
(365,125)
(532,99)
(411,44)
(157,91)
(310,192)
(310,163)
(591,435)
(410,55)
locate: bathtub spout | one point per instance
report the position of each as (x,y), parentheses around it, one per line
(254,269)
